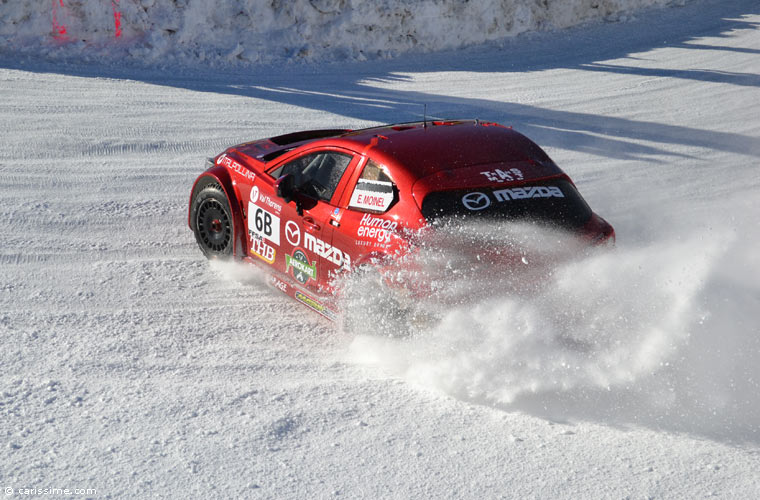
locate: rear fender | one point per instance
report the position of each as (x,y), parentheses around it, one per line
(219,175)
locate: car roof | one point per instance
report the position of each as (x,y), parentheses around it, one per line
(425,148)
(420,148)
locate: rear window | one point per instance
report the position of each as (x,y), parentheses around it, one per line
(555,202)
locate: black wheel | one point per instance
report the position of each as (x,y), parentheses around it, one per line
(212,221)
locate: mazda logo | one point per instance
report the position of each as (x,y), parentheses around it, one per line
(293,233)
(476,201)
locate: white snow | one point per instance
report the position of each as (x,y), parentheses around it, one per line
(245,32)
(132,366)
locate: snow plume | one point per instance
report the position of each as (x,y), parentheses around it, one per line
(622,334)
(244,32)
(239,272)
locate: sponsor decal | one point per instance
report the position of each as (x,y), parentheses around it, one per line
(264,200)
(476,201)
(263,223)
(335,217)
(326,251)
(314,244)
(237,167)
(302,270)
(267,201)
(376,228)
(372,195)
(261,250)
(293,233)
(314,304)
(498,175)
(278,284)
(528,192)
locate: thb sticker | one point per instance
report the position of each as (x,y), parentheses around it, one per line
(372,195)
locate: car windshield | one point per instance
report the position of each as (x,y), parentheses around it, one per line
(555,202)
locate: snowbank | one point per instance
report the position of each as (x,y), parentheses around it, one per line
(245,32)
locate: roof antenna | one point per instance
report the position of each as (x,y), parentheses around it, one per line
(424,115)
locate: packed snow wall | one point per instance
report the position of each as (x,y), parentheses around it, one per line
(244,32)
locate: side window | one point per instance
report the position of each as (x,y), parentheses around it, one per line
(374,191)
(316,174)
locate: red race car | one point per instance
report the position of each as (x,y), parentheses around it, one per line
(310,205)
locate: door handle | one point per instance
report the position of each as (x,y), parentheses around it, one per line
(309,223)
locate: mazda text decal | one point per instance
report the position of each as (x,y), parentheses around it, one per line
(528,192)
(326,251)
(314,244)
(476,200)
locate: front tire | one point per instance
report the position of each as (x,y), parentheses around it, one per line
(212,222)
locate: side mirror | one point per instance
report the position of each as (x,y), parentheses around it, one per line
(286,189)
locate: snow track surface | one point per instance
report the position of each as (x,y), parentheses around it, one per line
(133,366)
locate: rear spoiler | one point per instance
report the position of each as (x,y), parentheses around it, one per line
(266,150)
